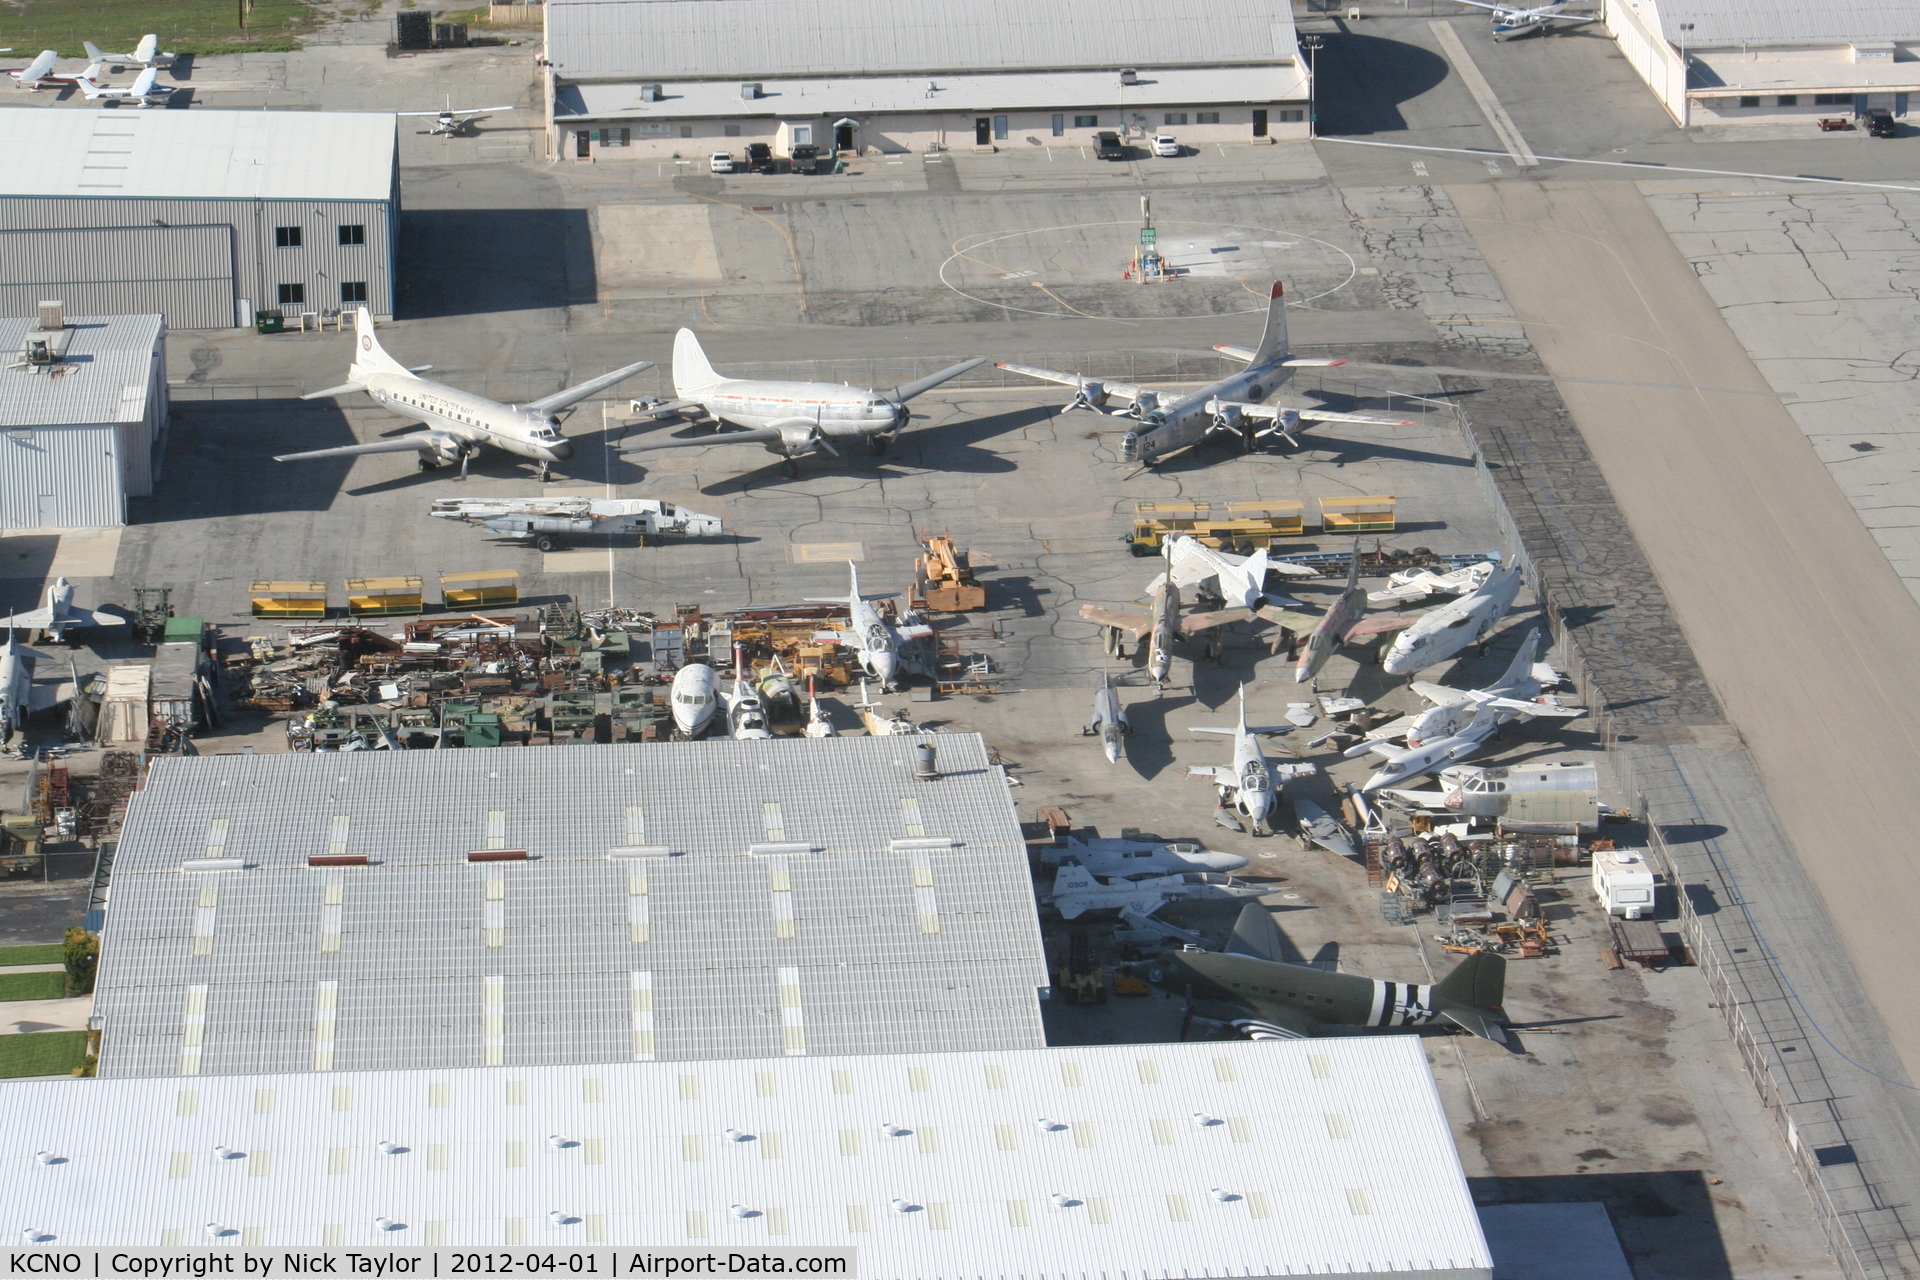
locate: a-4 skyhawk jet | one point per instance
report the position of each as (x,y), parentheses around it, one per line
(872,638)
(1251,784)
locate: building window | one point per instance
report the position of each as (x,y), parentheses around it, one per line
(733,131)
(999,128)
(1832,99)
(803,135)
(356,234)
(615,137)
(1174,117)
(353,291)
(686,131)
(1086,122)
(292,293)
(1292,115)
(1206,117)
(1059,126)
(1751,100)
(286,237)
(1787,100)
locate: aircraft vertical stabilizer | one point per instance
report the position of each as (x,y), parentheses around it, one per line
(1273,341)
(368,355)
(1480,980)
(691,371)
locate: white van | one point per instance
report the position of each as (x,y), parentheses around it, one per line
(1624,882)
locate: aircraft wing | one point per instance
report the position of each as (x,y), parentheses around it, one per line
(330,392)
(44,697)
(667,407)
(1377,624)
(1322,415)
(920,386)
(1207,621)
(1215,772)
(88,618)
(418,442)
(764,435)
(574,395)
(1237,352)
(36,619)
(1439,694)
(1125,389)
(1255,934)
(1524,708)
(1138,624)
(1289,1020)
(1569,17)
(1301,622)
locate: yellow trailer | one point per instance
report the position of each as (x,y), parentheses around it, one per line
(479,589)
(1361,513)
(289,599)
(1234,526)
(384,597)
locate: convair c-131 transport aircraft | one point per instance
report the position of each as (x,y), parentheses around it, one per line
(792,419)
(458,422)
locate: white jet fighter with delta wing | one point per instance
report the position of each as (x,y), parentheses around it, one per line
(1158,625)
(1251,784)
(1109,720)
(458,422)
(792,419)
(872,638)
(60,614)
(1077,891)
(546,521)
(1230,406)
(1456,626)
(1510,20)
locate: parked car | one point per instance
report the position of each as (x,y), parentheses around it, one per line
(1165,144)
(1106,146)
(760,158)
(805,159)
(1880,123)
(721,162)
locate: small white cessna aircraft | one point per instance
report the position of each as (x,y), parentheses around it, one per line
(873,640)
(1513,20)
(145,54)
(1230,406)
(792,419)
(1455,626)
(60,616)
(458,422)
(449,123)
(38,74)
(142,91)
(1251,783)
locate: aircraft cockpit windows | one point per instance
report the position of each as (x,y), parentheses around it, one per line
(878,639)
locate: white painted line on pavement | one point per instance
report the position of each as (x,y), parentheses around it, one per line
(1503,126)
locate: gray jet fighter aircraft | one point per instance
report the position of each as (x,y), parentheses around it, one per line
(1109,720)
(60,615)
(1456,626)
(1251,784)
(1157,626)
(874,640)
(1251,989)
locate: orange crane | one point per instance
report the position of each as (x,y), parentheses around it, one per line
(943,577)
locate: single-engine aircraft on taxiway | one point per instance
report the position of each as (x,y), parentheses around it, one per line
(1510,20)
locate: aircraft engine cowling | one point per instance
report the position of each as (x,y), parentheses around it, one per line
(1091,395)
(1142,405)
(799,439)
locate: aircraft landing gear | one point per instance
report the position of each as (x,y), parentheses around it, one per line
(546,472)
(427,463)
(547,542)
(790,469)
(878,445)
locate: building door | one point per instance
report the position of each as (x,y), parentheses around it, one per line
(983,131)
(1259,122)
(583,143)
(843,137)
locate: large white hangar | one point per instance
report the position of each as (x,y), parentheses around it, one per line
(204,217)
(652,78)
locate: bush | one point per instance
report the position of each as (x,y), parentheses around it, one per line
(82,956)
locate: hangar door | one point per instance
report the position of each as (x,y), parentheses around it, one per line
(182,273)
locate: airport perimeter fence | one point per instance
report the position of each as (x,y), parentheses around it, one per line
(1729,998)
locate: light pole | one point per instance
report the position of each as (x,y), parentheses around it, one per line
(1685,103)
(1311,44)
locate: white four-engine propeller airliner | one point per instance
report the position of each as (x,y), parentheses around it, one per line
(458,422)
(792,419)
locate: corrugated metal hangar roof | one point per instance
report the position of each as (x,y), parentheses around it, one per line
(610,39)
(677,900)
(1323,1157)
(1786,22)
(105,376)
(211,155)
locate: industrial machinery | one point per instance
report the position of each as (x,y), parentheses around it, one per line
(943,578)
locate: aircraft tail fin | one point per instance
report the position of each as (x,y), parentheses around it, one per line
(93,51)
(1273,342)
(368,355)
(1478,982)
(1522,666)
(691,371)
(1256,934)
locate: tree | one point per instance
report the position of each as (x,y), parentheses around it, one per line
(82,956)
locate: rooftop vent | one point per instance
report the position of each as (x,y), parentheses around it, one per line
(336,859)
(496,855)
(640,851)
(650,92)
(928,842)
(735,1135)
(749,92)
(740,1211)
(1129,76)
(388,1147)
(925,766)
(783,846)
(893,1130)
(386,1224)
(46,1157)
(214,864)
(53,315)
(224,1153)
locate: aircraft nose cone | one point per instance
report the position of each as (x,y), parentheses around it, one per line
(561,451)
(1113,750)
